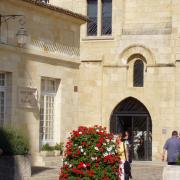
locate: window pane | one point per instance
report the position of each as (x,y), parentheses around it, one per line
(49,85)
(47,104)
(106,17)
(2,79)
(138,79)
(1,108)
(92,14)
(47,117)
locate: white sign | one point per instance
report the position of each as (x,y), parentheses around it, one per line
(27,97)
(164,130)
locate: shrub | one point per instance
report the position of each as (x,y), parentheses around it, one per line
(59,147)
(178,159)
(47,147)
(12,142)
(90,154)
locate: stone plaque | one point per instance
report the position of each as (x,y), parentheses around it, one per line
(164,130)
(27,97)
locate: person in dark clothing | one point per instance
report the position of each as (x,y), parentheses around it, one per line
(172,147)
(128,144)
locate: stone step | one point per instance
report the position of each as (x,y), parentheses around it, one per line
(45,173)
(55,161)
(44,178)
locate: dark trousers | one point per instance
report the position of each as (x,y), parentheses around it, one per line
(126,176)
(171,163)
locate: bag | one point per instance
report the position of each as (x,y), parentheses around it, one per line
(127,167)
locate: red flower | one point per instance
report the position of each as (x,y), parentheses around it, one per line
(84,143)
(98,145)
(90,173)
(88,164)
(106,178)
(79,152)
(76,171)
(69,152)
(65,175)
(101,140)
(80,165)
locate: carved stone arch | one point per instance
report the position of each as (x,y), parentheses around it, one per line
(132,115)
(136,51)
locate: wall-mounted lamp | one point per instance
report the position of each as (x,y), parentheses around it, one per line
(21,34)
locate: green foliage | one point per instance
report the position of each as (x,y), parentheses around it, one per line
(178,159)
(90,154)
(60,147)
(47,147)
(12,142)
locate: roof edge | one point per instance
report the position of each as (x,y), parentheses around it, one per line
(57,9)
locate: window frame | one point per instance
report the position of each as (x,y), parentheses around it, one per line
(44,94)
(3,89)
(102,21)
(88,23)
(99,23)
(136,82)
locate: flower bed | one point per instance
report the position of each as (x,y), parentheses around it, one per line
(90,154)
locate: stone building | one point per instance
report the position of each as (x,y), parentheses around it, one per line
(38,80)
(126,76)
(130,69)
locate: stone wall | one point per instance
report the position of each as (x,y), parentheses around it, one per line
(52,51)
(148,28)
(15,167)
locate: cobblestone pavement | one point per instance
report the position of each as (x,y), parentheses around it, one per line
(140,171)
(147,170)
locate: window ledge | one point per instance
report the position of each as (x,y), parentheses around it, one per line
(90,38)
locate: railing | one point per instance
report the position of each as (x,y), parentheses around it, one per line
(55,48)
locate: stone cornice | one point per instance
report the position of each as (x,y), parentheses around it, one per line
(162,65)
(37,53)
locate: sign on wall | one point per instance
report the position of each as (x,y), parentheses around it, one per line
(27,97)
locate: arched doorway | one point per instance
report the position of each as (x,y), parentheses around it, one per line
(132,116)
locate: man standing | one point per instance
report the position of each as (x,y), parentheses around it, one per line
(172,146)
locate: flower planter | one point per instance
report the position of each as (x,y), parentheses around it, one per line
(1,151)
(171,172)
(15,167)
(47,153)
(90,154)
(57,152)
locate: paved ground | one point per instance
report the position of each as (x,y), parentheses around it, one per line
(45,173)
(147,171)
(140,171)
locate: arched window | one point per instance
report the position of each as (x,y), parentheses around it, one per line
(138,73)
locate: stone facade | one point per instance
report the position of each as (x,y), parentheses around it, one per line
(139,27)
(52,54)
(103,71)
